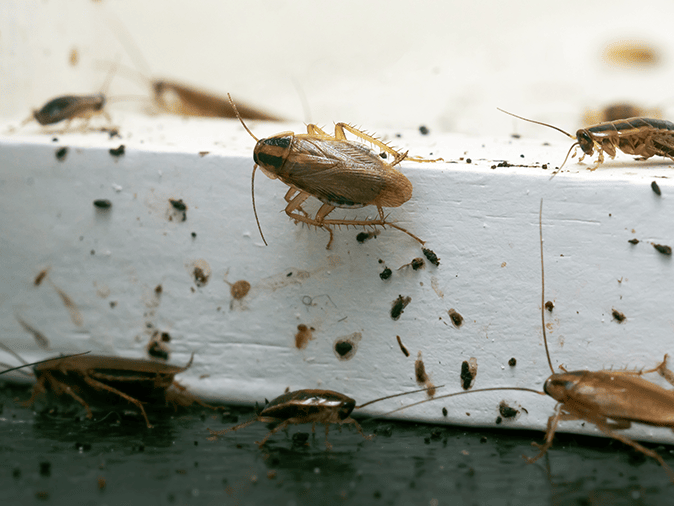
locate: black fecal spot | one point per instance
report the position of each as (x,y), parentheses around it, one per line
(656,188)
(103,204)
(118,151)
(343,347)
(432,257)
(423,130)
(512,362)
(665,250)
(506,411)
(399,306)
(178,205)
(385,274)
(61,154)
(633,241)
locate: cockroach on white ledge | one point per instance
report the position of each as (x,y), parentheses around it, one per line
(338,172)
(643,137)
(309,406)
(611,400)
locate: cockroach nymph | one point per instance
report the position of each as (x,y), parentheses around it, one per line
(338,172)
(309,406)
(642,137)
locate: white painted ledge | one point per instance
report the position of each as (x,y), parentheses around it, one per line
(481,222)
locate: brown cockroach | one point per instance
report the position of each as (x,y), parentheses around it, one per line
(643,137)
(69,107)
(309,406)
(611,400)
(336,171)
(137,381)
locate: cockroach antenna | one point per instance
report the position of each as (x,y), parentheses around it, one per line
(252,181)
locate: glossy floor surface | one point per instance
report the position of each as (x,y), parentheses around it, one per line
(54,455)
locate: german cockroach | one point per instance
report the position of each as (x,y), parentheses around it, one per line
(336,171)
(611,400)
(309,406)
(643,137)
(107,379)
(69,107)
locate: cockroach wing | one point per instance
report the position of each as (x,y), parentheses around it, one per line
(623,396)
(344,174)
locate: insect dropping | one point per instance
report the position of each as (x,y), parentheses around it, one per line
(642,137)
(338,172)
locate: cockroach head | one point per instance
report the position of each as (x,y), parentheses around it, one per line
(345,408)
(558,386)
(585,141)
(271,153)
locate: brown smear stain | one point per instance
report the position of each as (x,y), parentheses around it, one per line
(39,337)
(402,347)
(239,289)
(345,347)
(422,377)
(75,315)
(74,57)
(457,319)
(303,336)
(468,373)
(200,271)
(41,275)
(435,285)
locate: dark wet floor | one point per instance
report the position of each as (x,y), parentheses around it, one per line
(57,456)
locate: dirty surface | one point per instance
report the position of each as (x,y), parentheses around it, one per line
(62,458)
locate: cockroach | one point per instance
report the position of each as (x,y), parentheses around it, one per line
(137,381)
(611,400)
(69,107)
(338,172)
(309,406)
(643,137)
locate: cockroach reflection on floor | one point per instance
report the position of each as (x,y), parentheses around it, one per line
(611,400)
(339,172)
(642,137)
(309,406)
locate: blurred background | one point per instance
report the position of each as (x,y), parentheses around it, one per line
(447,65)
